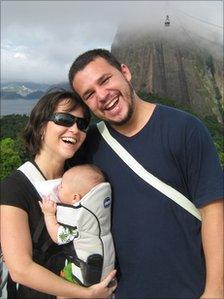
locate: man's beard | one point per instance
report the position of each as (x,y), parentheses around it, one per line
(130,108)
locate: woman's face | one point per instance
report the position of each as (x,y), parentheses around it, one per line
(60,142)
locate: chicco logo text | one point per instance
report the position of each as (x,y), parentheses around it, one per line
(107,202)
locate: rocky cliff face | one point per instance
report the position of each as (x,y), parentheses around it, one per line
(173,65)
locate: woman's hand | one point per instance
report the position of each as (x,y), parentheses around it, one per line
(103,289)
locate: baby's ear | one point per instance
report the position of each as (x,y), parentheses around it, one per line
(76,197)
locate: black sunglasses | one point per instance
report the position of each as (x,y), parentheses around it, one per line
(68,120)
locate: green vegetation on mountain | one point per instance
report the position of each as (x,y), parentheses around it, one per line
(9,158)
(12,125)
(13,152)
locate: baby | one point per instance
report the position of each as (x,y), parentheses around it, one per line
(83,218)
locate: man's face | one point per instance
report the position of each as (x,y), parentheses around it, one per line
(106,90)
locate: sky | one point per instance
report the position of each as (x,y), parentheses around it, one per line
(41,39)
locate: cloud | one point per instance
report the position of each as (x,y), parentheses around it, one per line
(40,39)
(20,55)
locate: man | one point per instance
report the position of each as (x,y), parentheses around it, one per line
(157,242)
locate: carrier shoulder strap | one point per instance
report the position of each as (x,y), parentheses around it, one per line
(167,190)
(31,172)
(34,175)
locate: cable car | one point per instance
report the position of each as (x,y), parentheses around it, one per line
(167,21)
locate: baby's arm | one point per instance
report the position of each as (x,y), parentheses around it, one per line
(49,209)
(60,234)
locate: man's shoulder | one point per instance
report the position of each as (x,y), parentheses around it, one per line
(89,146)
(174,112)
(92,129)
(92,134)
(178,118)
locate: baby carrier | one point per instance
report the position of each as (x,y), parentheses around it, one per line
(92,251)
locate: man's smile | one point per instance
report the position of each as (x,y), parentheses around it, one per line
(112,104)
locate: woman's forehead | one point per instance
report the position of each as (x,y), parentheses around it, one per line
(67,105)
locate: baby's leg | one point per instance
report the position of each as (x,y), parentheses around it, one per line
(66,273)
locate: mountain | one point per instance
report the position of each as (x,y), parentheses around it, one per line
(20,85)
(27,90)
(35,95)
(22,90)
(7,95)
(64,85)
(172,65)
(17,90)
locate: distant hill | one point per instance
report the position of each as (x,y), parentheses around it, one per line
(64,85)
(22,90)
(35,95)
(30,85)
(6,95)
(27,90)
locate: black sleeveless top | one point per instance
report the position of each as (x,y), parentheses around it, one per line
(18,191)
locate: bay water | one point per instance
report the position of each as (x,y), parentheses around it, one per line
(17,106)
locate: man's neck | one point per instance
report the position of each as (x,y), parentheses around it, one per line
(142,113)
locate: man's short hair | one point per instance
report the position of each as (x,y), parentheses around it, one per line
(84,59)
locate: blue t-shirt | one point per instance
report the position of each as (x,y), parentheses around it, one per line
(158,243)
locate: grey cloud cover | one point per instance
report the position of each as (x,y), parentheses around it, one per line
(40,39)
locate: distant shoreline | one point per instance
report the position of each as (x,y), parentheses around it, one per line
(17,106)
(26,99)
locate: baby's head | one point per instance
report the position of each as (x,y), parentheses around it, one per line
(78,181)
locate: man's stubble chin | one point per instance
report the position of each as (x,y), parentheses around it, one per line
(130,111)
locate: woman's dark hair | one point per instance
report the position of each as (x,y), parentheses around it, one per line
(43,110)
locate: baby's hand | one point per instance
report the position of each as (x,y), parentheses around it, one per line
(48,206)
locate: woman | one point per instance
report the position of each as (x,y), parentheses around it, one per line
(55,131)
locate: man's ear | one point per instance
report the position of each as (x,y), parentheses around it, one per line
(76,197)
(126,72)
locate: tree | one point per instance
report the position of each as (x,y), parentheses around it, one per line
(12,124)
(9,157)
(12,127)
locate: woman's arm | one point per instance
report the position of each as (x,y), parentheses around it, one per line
(17,250)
